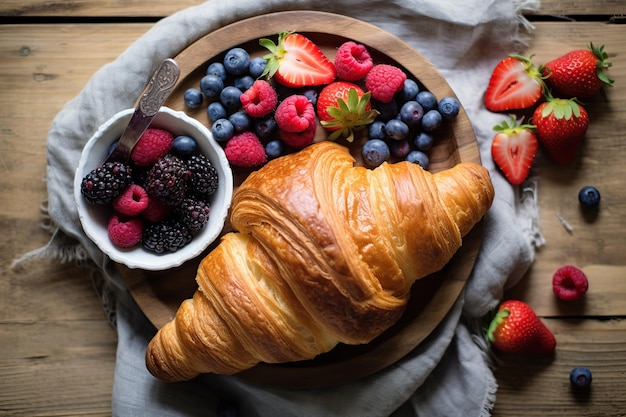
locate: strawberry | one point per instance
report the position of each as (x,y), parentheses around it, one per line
(561,127)
(517,329)
(343,107)
(580,73)
(515,84)
(513,149)
(296,61)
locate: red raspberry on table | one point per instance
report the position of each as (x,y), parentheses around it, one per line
(383,81)
(352,61)
(245,150)
(125,232)
(295,113)
(132,201)
(260,99)
(298,140)
(569,283)
(153,144)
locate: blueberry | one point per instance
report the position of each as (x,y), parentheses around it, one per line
(265,127)
(311,94)
(211,85)
(375,152)
(423,141)
(222,130)
(396,129)
(217,68)
(580,377)
(241,121)
(427,100)
(431,120)
(409,91)
(237,61)
(193,97)
(400,148)
(411,113)
(184,146)
(216,111)
(230,97)
(257,66)
(244,82)
(449,107)
(387,110)
(377,130)
(274,149)
(589,197)
(419,158)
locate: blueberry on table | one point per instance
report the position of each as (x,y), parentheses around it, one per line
(241,121)
(257,66)
(274,149)
(377,130)
(216,111)
(237,61)
(211,85)
(424,141)
(427,100)
(589,197)
(580,377)
(419,158)
(193,97)
(449,107)
(396,129)
(229,97)
(409,91)
(431,120)
(411,113)
(217,68)
(375,152)
(222,130)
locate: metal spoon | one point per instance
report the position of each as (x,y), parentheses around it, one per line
(158,89)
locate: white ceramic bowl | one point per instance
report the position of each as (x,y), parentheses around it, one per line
(94,218)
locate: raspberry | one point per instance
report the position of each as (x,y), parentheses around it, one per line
(298,140)
(260,99)
(125,232)
(384,81)
(132,201)
(245,150)
(156,210)
(569,283)
(295,113)
(153,144)
(352,61)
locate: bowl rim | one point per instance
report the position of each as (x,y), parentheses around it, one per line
(148,260)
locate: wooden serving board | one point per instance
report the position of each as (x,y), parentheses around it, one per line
(160,293)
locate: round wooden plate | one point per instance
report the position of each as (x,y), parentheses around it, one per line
(160,293)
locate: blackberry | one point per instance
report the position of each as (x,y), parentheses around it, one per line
(105,183)
(167,180)
(193,213)
(166,236)
(203,175)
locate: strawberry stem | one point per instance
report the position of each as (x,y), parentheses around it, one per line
(500,316)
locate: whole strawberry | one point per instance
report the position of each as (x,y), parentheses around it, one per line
(580,73)
(517,329)
(561,127)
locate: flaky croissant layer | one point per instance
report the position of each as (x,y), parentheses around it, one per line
(326,253)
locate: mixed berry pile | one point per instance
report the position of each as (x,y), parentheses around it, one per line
(261,108)
(161,198)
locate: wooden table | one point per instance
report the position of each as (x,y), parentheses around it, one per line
(58,351)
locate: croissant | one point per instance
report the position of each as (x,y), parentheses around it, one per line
(325,253)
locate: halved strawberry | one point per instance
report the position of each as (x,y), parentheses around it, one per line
(515,84)
(513,149)
(296,61)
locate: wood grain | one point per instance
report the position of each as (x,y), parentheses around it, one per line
(69,370)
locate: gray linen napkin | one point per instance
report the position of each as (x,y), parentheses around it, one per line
(447,375)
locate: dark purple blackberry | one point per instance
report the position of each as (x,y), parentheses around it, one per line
(203,175)
(105,183)
(193,213)
(167,236)
(167,180)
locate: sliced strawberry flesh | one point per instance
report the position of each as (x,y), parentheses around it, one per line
(512,86)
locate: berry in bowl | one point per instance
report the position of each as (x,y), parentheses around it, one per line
(167,204)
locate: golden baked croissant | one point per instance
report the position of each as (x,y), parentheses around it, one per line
(326,253)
